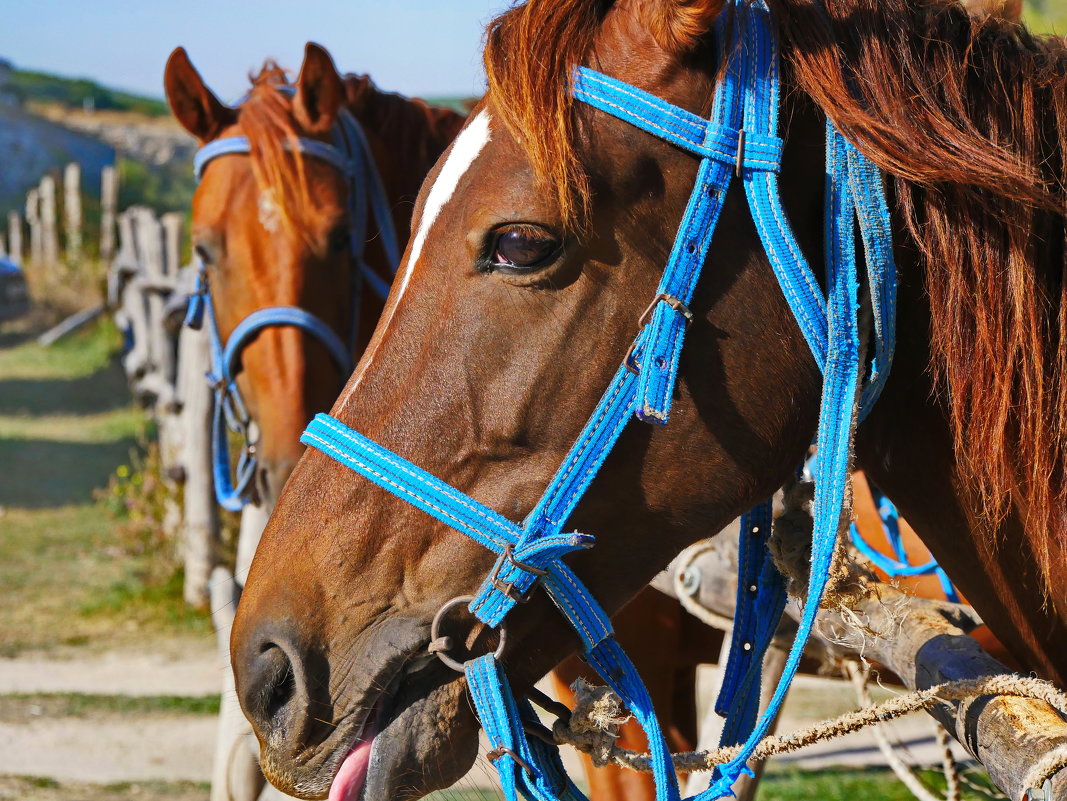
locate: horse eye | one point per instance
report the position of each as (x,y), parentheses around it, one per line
(204,253)
(523,248)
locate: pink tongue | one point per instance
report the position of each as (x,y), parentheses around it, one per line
(349,781)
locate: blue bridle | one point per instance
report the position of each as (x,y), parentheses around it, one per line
(741,138)
(350,154)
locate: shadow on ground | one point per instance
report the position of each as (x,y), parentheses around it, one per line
(103,391)
(45,473)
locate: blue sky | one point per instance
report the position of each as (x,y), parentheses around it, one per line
(419,47)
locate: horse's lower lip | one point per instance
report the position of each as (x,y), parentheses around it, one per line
(352,775)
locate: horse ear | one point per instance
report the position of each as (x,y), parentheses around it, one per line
(679,24)
(193,104)
(319,91)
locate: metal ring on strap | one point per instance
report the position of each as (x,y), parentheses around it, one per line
(439,646)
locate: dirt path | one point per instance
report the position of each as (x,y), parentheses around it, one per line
(135,747)
(196,672)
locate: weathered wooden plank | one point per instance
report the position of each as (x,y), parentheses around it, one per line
(132,304)
(1017,740)
(14,237)
(33,220)
(200,523)
(49,235)
(70,325)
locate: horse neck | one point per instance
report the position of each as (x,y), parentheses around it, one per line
(906,448)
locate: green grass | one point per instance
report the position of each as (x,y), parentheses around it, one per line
(66,423)
(21,707)
(1046,16)
(78,356)
(781,783)
(39,788)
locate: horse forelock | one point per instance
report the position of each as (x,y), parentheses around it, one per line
(969,116)
(266,119)
(529,88)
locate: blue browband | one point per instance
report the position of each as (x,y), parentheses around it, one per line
(741,138)
(350,154)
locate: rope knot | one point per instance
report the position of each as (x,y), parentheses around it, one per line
(594,724)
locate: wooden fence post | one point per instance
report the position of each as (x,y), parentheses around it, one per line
(924,643)
(109,198)
(33,219)
(200,516)
(14,237)
(72,211)
(49,237)
(132,304)
(157,283)
(150,252)
(173,225)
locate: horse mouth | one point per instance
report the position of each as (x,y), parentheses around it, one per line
(351,776)
(351,779)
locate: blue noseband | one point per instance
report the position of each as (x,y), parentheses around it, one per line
(350,155)
(740,140)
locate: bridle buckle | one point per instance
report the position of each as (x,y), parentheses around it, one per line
(508,588)
(642,321)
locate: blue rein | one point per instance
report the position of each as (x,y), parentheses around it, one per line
(740,139)
(350,154)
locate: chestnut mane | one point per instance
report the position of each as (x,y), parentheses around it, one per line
(970,118)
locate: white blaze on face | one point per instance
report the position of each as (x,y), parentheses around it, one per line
(270,213)
(465,150)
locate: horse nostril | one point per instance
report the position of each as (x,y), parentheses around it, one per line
(281,691)
(270,688)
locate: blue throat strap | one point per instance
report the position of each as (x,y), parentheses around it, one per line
(350,154)
(742,138)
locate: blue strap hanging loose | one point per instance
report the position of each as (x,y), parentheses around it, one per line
(742,136)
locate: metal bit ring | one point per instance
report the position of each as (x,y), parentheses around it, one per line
(439,646)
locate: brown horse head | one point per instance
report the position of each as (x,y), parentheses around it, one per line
(272,227)
(513,308)
(539,240)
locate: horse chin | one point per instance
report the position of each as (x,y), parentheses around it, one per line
(428,739)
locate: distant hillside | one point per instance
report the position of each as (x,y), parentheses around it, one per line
(47,120)
(31,146)
(40,87)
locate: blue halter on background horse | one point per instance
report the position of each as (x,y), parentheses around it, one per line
(350,154)
(898,565)
(742,138)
